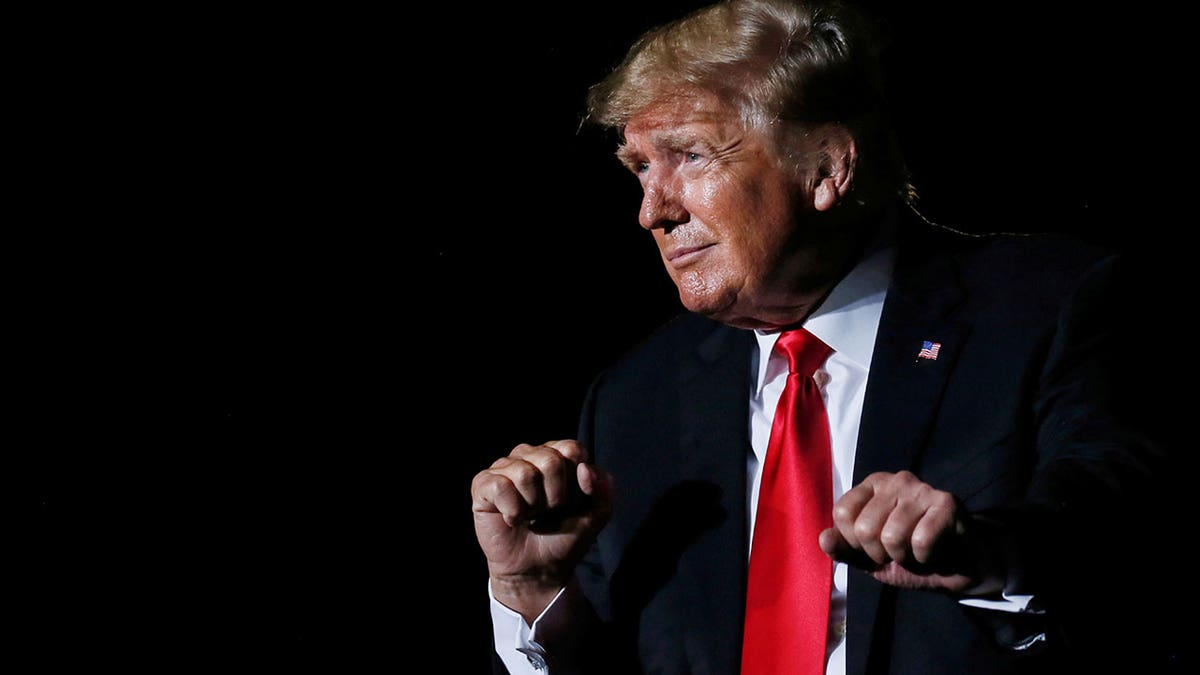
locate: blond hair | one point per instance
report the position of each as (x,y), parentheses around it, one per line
(785,64)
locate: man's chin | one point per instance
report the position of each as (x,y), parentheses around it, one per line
(725,309)
(716,306)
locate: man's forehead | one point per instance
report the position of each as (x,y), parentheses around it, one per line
(671,114)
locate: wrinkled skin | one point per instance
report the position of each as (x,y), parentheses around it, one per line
(746,238)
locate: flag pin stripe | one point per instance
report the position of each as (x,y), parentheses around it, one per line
(929,350)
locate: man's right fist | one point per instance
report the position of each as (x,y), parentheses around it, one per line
(537,511)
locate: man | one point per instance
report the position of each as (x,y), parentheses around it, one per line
(970,433)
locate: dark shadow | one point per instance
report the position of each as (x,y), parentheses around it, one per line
(674,524)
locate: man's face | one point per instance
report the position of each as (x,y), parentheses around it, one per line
(729,220)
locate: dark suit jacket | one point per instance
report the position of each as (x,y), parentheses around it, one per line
(1019,417)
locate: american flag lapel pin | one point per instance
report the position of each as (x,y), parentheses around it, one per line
(929,350)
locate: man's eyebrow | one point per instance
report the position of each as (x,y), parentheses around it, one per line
(673,140)
(677,140)
(628,156)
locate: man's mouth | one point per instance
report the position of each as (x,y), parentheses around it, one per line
(684,255)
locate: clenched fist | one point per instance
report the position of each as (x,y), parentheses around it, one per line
(537,511)
(906,533)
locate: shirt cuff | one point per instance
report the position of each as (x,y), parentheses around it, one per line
(1009,602)
(515,640)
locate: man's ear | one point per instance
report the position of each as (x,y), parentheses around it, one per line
(835,173)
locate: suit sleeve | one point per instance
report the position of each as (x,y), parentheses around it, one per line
(1075,540)
(605,645)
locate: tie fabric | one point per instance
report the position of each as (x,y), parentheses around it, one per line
(787,594)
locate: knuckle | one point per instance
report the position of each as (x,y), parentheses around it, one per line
(866,529)
(892,537)
(921,541)
(943,500)
(480,480)
(490,488)
(566,445)
(842,513)
(879,477)
(548,472)
(547,460)
(523,473)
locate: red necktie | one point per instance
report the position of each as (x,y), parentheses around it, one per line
(787,595)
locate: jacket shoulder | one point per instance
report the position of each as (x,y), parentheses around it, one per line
(1018,266)
(661,352)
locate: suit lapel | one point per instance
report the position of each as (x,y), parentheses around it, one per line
(715,382)
(903,394)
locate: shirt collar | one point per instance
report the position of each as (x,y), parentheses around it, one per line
(848,320)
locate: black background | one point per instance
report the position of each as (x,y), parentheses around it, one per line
(285,281)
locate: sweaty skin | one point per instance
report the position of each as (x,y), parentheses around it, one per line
(740,233)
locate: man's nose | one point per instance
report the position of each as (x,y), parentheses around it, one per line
(662,204)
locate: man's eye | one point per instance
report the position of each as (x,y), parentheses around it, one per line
(693,157)
(642,167)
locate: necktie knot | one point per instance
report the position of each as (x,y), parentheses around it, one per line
(804,351)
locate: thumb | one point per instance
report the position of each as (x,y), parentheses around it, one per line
(597,484)
(836,547)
